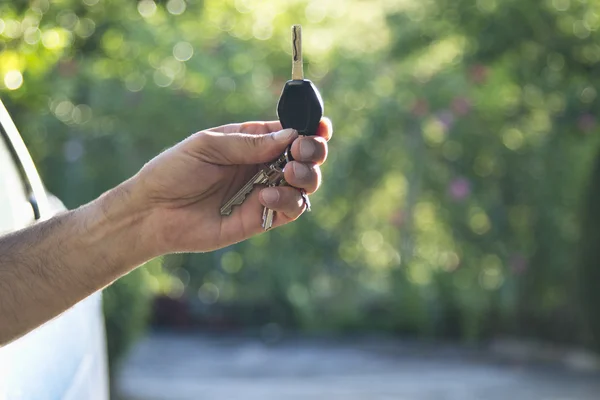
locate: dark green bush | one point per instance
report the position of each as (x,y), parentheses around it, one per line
(126,308)
(589,274)
(464,134)
(127,305)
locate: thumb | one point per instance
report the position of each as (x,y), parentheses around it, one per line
(242,148)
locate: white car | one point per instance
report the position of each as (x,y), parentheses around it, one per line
(66,357)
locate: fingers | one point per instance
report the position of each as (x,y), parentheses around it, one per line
(238,148)
(303,176)
(258,142)
(252,127)
(312,149)
(325,129)
(285,200)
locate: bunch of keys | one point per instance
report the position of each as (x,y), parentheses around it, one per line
(301,108)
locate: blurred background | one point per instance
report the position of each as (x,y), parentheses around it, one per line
(460,197)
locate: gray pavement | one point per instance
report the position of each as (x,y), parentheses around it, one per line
(182,367)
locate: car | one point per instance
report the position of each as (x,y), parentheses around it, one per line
(66,357)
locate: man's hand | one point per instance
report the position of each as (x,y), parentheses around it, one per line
(171,205)
(184,187)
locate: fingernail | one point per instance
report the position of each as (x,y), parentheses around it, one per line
(285,135)
(307,149)
(328,123)
(301,171)
(270,195)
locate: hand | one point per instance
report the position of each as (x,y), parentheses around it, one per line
(184,187)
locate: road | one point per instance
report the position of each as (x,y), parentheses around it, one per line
(186,367)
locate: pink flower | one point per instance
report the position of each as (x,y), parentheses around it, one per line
(68,68)
(446,118)
(459,189)
(461,105)
(478,73)
(518,264)
(420,108)
(587,122)
(397,219)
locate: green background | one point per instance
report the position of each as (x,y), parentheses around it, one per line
(460,195)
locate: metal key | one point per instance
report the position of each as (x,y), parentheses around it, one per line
(306,200)
(300,104)
(269,174)
(259,178)
(300,107)
(276,180)
(267,218)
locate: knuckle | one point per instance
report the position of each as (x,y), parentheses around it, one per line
(198,140)
(323,148)
(252,127)
(203,137)
(244,127)
(200,135)
(293,201)
(250,142)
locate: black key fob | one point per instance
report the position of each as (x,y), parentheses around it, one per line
(300,107)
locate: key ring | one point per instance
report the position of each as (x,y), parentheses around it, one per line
(306,199)
(288,154)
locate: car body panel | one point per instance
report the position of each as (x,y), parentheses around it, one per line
(66,357)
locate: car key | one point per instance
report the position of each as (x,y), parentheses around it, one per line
(269,214)
(237,199)
(276,180)
(268,174)
(300,106)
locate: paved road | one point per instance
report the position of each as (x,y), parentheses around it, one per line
(186,367)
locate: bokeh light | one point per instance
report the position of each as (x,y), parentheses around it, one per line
(455,180)
(13,79)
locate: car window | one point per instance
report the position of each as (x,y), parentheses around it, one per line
(15,210)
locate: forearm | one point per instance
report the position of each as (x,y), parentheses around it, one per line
(48,267)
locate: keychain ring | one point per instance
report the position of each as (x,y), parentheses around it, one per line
(306,200)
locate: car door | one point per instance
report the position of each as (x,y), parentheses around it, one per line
(66,357)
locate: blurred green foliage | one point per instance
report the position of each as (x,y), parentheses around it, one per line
(465,137)
(127,306)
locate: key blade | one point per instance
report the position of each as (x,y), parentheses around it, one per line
(275,178)
(259,178)
(268,216)
(297,67)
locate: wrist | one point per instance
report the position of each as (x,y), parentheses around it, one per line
(119,219)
